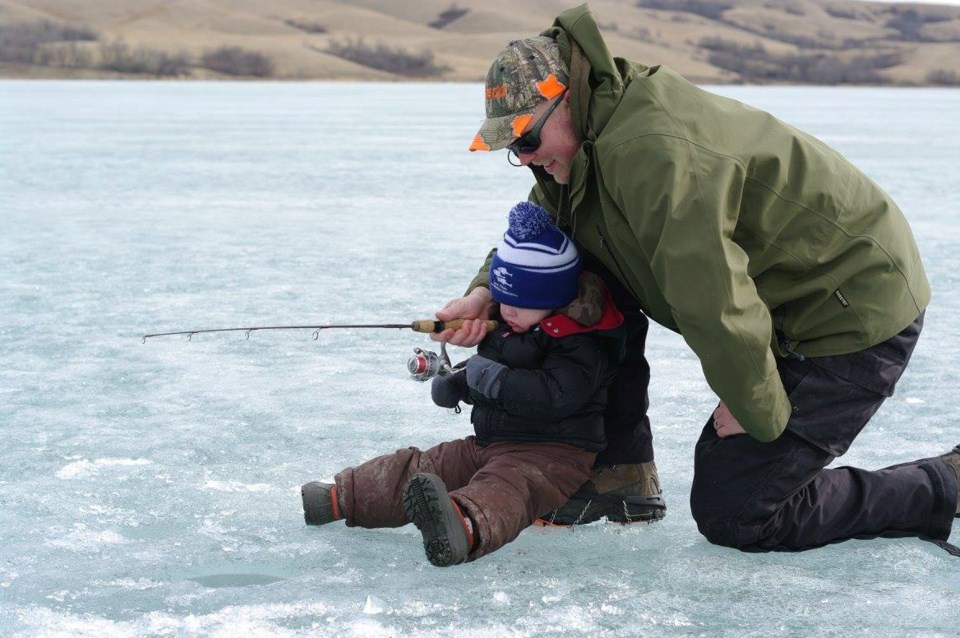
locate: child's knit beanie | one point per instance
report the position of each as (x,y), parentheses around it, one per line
(536,265)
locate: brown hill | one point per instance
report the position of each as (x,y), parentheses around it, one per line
(718,41)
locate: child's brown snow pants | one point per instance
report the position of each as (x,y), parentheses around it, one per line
(502,487)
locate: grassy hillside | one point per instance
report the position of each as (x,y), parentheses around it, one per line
(712,41)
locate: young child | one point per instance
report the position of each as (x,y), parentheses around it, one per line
(538,386)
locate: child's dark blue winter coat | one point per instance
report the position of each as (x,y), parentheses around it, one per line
(556,387)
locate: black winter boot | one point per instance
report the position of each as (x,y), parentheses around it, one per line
(447,536)
(320,505)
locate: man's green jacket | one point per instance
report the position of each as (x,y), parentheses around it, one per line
(727,225)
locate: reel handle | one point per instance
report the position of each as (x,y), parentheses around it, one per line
(430,325)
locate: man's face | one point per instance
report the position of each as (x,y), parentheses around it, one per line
(558,142)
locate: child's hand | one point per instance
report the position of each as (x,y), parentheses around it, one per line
(450,389)
(485,375)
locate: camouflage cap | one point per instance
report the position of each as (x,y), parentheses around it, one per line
(524,74)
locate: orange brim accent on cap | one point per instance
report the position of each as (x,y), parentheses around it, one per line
(551,87)
(478,144)
(497,132)
(520,123)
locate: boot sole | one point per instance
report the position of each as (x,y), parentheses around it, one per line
(427,505)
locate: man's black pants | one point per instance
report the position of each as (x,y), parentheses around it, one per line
(758,496)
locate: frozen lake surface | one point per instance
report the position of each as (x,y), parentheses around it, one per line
(153,489)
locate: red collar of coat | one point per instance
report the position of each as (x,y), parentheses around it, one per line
(560,325)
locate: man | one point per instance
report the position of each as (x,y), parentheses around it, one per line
(793,278)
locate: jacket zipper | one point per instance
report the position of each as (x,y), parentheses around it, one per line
(604,245)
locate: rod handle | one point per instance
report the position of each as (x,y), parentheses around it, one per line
(430,325)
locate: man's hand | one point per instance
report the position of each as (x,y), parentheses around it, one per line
(724,422)
(476,305)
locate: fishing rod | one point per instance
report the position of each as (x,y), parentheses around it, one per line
(423,365)
(421,325)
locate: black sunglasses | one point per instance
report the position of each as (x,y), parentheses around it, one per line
(530,141)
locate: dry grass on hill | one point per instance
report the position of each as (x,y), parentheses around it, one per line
(714,41)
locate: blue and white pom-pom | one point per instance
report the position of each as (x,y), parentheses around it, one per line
(528,220)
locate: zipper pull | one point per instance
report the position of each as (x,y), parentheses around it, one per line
(785,344)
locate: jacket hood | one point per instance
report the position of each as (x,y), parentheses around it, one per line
(593,310)
(597,79)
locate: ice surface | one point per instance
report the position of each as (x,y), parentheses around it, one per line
(152,489)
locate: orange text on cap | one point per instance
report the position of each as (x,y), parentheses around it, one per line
(497,92)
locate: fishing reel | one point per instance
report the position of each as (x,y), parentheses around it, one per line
(425,364)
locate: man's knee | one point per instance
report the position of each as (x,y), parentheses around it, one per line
(720,523)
